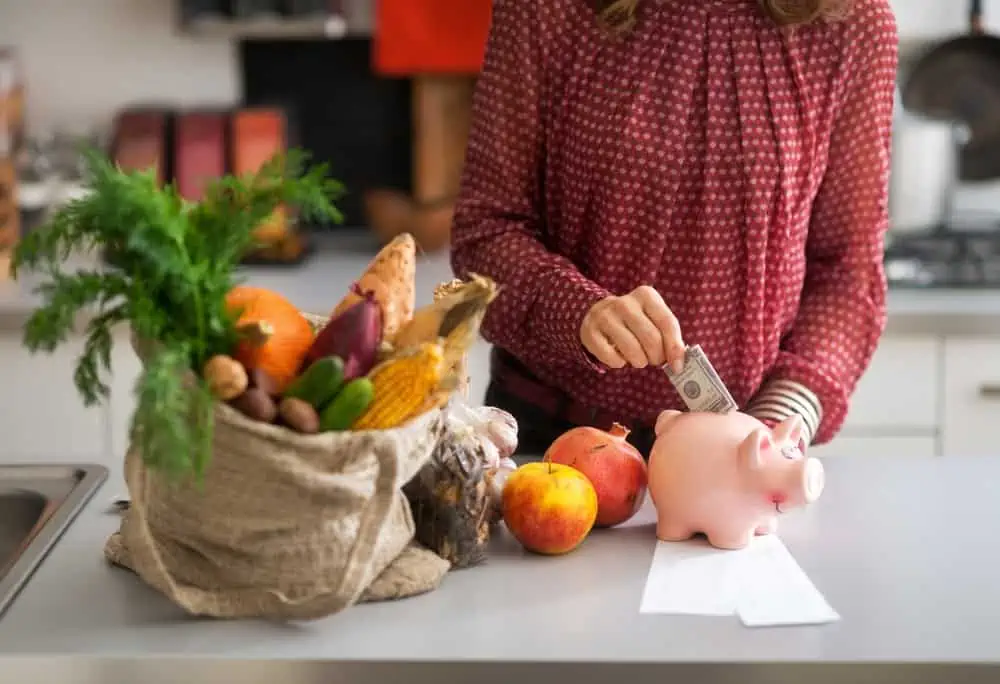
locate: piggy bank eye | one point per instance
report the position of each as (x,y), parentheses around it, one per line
(791,452)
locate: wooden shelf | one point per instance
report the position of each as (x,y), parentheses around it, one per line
(313,28)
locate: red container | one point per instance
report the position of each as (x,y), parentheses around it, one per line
(140,141)
(414,37)
(257,135)
(199,151)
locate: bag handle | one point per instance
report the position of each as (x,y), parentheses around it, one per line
(270,602)
(356,571)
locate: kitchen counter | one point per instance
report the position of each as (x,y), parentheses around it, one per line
(325,277)
(915,583)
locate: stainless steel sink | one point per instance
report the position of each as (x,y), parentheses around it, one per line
(37,504)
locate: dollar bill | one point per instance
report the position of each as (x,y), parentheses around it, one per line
(699,385)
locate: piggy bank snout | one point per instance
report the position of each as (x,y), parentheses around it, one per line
(813,479)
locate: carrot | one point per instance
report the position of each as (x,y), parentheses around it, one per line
(391,278)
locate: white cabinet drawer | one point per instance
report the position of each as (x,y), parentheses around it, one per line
(971,424)
(42,416)
(876,447)
(899,390)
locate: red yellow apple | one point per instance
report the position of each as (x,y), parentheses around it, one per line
(550,508)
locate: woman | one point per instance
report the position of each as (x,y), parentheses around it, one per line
(645,174)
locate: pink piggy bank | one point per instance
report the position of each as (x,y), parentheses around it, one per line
(727,475)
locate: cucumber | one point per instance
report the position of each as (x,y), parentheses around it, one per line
(319,383)
(352,401)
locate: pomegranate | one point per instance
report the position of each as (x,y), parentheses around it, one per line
(615,468)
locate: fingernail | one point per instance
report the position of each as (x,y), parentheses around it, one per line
(677,365)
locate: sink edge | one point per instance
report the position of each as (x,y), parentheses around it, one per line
(91,477)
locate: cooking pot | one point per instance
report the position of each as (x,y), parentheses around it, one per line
(924,170)
(959,80)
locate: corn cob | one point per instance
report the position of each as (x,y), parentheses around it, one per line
(403,385)
(454,302)
(442,290)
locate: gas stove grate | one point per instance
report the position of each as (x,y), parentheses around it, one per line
(944,259)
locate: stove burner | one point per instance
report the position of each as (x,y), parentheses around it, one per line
(943,258)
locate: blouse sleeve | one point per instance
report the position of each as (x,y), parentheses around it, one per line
(842,313)
(498,229)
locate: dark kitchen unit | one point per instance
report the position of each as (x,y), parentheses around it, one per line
(200,10)
(344,114)
(309,8)
(254,9)
(227,10)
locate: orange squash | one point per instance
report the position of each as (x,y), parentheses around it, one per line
(281,338)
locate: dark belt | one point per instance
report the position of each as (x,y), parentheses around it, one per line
(513,378)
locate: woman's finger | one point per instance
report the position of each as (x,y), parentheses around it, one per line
(644,330)
(663,318)
(598,345)
(622,339)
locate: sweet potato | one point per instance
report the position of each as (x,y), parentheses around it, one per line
(391,278)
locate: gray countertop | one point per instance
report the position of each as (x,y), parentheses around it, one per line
(903,549)
(320,282)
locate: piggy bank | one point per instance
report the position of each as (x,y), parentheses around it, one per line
(727,476)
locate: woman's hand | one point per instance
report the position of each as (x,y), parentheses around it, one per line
(637,329)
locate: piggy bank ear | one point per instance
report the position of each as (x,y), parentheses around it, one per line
(664,420)
(789,431)
(756,447)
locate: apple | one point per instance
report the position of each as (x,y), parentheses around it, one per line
(615,468)
(550,508)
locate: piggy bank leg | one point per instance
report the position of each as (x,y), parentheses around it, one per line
(671,530)
(768,525)
(730,538)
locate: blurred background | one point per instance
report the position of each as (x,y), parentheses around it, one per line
(380,89)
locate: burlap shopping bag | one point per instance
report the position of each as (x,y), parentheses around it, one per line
(285,526)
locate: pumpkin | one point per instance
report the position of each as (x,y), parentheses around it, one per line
(275,334)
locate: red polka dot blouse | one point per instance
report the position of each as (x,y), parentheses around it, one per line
(739,168)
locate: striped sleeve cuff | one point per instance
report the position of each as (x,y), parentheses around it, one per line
(779,399)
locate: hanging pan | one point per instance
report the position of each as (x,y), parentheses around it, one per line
(959,80)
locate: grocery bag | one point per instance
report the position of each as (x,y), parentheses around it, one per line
(284,525)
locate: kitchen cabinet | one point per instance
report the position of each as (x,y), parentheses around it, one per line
(971,406)
(900,392)
(922,396)
(42,418)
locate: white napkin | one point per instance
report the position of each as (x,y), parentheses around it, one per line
(762,584)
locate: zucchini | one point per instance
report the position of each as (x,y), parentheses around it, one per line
(352,401)
(319,383)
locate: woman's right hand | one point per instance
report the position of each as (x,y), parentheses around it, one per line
(637,329)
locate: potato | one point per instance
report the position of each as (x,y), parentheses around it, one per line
(261,380)
(226,377)
(254,403)
(299,415)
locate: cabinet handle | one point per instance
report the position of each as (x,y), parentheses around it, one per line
(989,391)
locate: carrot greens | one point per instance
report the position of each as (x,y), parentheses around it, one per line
(170,264)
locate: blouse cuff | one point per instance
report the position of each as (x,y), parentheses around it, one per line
(780,399)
